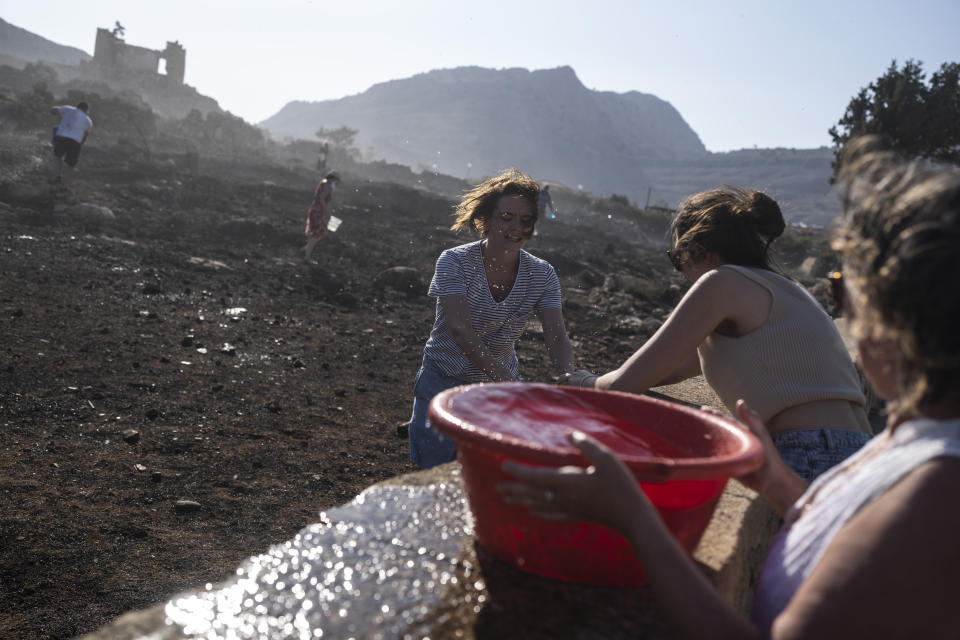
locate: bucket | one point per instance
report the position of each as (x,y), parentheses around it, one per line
(333,223)
(690,453)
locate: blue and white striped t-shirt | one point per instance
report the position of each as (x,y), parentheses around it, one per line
(499,324)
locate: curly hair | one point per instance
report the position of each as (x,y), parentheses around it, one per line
(737,223)
(900,246)
(477,205)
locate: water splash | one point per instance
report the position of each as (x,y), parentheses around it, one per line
(387,565)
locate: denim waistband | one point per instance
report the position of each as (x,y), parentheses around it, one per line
(828,439)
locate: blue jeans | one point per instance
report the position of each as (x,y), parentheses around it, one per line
(429,447)
(810,452)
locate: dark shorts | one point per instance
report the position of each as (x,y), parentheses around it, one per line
(68,149)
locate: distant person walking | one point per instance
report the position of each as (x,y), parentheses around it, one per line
(319,213)
(70,134)
(545,203)
(322,157)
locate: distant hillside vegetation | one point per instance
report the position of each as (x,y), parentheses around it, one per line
(472,122)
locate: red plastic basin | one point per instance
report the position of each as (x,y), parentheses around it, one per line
(687,453)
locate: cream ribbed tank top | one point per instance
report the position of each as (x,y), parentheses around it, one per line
(796,356)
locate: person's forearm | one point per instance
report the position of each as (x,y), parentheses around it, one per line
(616,381)
(783,491)
(690,600)
(560,352)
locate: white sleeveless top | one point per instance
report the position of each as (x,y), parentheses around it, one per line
(837,496)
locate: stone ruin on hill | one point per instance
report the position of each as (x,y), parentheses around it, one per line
(111,51)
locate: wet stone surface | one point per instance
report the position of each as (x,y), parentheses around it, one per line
(388,565)
(397,562)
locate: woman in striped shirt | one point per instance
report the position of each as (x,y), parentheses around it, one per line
(486,290)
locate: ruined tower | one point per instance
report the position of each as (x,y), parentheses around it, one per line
(111,51)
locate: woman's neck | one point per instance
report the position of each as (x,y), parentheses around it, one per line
(499,261)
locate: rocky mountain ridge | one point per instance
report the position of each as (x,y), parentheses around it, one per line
(21,44)
(470,122)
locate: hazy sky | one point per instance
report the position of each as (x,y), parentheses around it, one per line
(742,73)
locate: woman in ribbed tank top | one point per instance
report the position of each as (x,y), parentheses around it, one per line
(869,550)
(752,332)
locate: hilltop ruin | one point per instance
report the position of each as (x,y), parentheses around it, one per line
(112,51)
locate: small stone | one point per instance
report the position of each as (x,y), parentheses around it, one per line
(187,341)
(403,430)
(139,467)
(151,414)
(131,436)
(156,476)
(186,506)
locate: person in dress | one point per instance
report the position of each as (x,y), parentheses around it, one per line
(869,550)
(486,291)
(318,214)
(752,332)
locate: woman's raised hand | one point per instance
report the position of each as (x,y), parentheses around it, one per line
(605,492)
(775,481)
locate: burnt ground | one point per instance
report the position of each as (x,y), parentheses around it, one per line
(183,352)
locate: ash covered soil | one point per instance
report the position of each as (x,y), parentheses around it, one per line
(184,352)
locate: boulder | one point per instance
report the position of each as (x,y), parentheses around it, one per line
(90,212)
(404,279)
(649,289)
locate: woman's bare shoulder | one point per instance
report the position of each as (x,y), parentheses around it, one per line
(898,554)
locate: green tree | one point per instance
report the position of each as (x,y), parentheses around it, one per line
(339,137)
(917,118)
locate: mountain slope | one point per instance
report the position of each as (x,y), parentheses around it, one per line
(29,47)
(478,121)
(471,122)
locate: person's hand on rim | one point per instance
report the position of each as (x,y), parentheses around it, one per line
(606,492)
(579,378)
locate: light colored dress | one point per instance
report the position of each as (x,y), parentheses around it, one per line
(318,213)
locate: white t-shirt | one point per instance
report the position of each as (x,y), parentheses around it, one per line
(499,324)
(73,123)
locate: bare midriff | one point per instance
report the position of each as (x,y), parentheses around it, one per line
(822,414)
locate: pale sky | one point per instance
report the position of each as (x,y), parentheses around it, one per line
(742,73)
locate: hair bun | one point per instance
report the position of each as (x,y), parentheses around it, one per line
(766,214)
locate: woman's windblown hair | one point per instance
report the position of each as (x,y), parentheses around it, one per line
(900,242)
